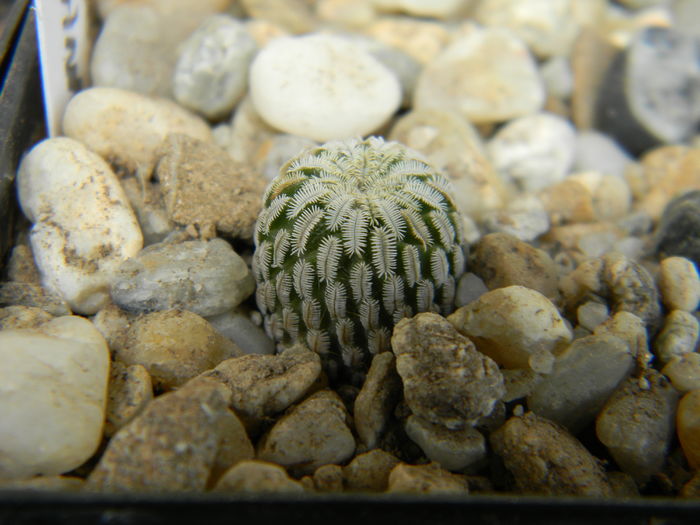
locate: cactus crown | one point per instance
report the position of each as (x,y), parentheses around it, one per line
(354,236)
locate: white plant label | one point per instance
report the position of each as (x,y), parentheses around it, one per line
(64,51)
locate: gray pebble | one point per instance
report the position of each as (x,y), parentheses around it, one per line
(205,277)
(678,336)
(212,70)
(583,378)
(469,288)
(596,151)
(239,328)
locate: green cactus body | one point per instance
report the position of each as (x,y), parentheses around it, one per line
(354,236)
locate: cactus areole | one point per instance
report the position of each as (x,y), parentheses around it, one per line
(353,236)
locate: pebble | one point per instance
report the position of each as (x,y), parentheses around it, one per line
(350,15)
(625,284)
(283,147)
(258,477)
(294,16)
(128,128)
(46,483)
(598,152)
(441,9)
(425,479)
(688,427)
(113,323)
(379,395)
(548,27)
(34,296)
(678,231)
(545,459)
(631,330)
(174,346)
(523,217)
(211,74)
(171,446)
(685,13)
(519,382)
(678,336)
(469,288)
(322,87)
(557,77)
(83,225)
(453,145)
(451,449)
(20,265)
(446,381)
(636,425)
(55,375)
(130,390)
(202,186)
(264,385)
(684,372)
(20,317)
(534,151)
(147,202)
(584,376)
(250,137)
(190,11)
(611,198)
(421,39)
(679,175)
(592,314)
(679,284)
(369,472)
(505,86)
(502,260)
(568,202)
(239,328)
(646,98)
(328,478)
(512,325)
(312,434)
(235,446)
(205,277)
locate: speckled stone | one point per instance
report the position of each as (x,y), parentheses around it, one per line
(130,390)
(425,479)
(678,336)
(258,477)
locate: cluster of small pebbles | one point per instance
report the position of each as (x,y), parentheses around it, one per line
(132,356)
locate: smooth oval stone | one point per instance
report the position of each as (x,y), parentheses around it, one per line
(128,128)
(53,391)
(322,87)
(212,70)
(205,277)
(83,227)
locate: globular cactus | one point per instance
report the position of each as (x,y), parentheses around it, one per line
(354,236)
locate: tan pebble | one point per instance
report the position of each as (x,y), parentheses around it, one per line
(32,295)
(688,427)
(375,402)
(352,15)
(328,478)
(509,324)
(425,479)
(369,471)
(679,284)
(251,137)
(20,317)
(113,323)
(545,459)
(610,195)
(294,16)
(235,446)
(503,260)
(678,336)
(257,477)
(21,266)
(174,346)
(676,177)
(568,201)
(47,483)
(684,371)
(630,329)
(420,39)
(129,391)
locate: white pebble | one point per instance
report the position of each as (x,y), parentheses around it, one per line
(322,87)
(126,127)
(83,225)
(534,151)
(53,395)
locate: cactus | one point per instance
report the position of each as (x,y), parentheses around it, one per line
(354,236)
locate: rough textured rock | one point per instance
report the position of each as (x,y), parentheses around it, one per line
(446,381)
(505,86)
(170,446)
(502,260)
(258,477)
(451,449)
(20,317)
(32,295)
(515,326)
(375,402)
(637,423)
(204,277)
(130,390)
(312,434)
(264,385)
(583,378)
(52,398)
(174,346)
(202,186)
(545,459)
(425,479)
